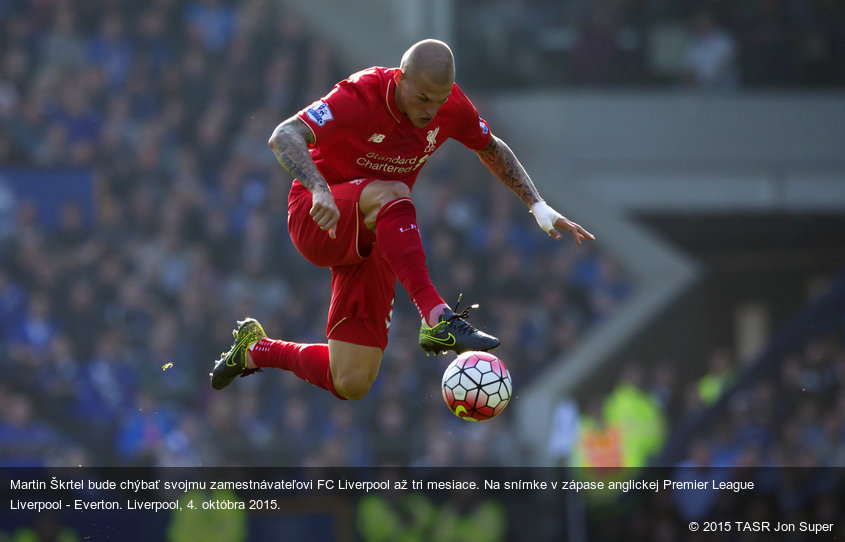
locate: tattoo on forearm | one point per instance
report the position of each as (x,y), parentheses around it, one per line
(292,153)
(502,162)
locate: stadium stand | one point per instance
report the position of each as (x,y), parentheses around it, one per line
(713,45)
(170,226)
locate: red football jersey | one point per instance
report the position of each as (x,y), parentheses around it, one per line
(359,132)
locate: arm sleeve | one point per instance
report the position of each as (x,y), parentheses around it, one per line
(472,130)
(345,106)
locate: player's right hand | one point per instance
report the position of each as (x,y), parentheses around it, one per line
(324,211)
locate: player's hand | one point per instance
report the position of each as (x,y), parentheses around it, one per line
(548,219)
(324,211)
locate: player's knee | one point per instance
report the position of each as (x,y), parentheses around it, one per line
(378,194)
(352,386)
(393,191)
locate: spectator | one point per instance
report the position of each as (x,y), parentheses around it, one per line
(34,329)
(112,51)
(25,441)
(62,49)
(596,52)
(712,54)
(767,55)
(213,22)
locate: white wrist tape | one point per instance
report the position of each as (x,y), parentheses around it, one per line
(545,215)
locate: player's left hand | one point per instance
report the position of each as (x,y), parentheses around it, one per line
(550,220)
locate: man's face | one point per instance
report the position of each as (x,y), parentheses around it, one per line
(420,99)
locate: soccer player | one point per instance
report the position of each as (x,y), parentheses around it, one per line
(355,155)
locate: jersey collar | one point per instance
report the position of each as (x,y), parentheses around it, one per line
(390,98)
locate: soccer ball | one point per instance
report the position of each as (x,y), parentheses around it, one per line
(476,386)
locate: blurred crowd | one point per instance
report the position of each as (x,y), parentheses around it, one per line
(795,417)
(715,44)
(766,431)
(761,419)
(113,311)
(792,416)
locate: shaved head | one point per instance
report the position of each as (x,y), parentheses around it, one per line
(429,60)
(424,80)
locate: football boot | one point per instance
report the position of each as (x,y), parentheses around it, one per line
(233,362)
(453,332)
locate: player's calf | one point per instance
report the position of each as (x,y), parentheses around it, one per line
(351,388)
(354,368)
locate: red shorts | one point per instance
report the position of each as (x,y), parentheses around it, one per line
(363,284)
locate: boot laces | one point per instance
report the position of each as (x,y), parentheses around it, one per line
(459,318)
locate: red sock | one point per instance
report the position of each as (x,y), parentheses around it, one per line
(310,362)
(399,241)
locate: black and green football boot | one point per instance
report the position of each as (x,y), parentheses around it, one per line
(453,332)
(233,362)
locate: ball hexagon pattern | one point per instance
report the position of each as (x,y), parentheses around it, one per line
(476,386)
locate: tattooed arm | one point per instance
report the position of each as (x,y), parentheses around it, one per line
(502,162)
(290,142)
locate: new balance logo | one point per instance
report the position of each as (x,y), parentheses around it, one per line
(376,138)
